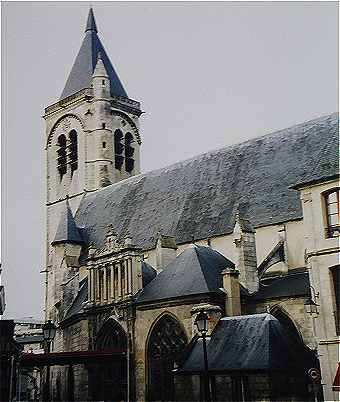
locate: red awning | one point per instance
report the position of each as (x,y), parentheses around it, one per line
(336,382)
(67,358)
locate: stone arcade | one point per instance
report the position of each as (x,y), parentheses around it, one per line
(132,258)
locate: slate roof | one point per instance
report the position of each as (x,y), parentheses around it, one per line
(290,285)
(250,342)
(85,63)
(67,231)
(148,273)
(82,297)
(197,270)
(199,197)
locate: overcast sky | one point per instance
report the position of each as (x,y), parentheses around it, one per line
(208,74)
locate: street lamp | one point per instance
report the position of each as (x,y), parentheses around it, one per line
(49,330)
(201,323)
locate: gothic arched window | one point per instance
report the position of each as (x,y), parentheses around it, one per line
(73,150)
(61,155)
(107,379)
(166,345)
(111,336)
(119,149)
(129,151)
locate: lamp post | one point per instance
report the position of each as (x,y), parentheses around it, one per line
(49,330)
(201,323)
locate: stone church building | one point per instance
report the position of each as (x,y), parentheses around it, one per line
(247,233)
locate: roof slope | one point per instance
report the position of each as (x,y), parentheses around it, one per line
(198,197)
(85,63)
(67,231)
(82,297)
(148,273)
(251,342)
(291,285)
(196,270)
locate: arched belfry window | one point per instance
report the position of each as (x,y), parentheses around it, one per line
(166,345)
(61,155)
(129,151)
(119,149)
(73,150)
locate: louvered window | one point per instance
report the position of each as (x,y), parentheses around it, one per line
(61,155)
(129,151)
(73,155)
(119,149)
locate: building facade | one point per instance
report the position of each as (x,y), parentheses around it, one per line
(132,258)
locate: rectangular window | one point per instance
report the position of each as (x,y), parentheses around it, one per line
(332,212)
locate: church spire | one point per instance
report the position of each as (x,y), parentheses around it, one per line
(91,22)
(85,63)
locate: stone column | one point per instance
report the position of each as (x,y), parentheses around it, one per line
(126,282)
(92,285)
(96,271)
(130,275)
(112,267)
(119,280)
(105,283)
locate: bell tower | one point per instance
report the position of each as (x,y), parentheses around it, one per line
(92,131)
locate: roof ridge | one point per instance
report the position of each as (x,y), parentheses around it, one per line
(211,152)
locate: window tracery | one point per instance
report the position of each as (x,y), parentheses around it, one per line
(165,347)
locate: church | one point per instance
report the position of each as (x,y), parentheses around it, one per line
(247,234)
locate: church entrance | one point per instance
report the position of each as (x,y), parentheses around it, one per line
(108,380)
(167,342)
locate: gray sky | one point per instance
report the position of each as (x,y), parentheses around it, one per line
(207,74)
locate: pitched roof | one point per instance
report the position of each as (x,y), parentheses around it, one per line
(290,285)
(67,231)
(82,296)
(251,342)
(199,197)
(197,270)
(85,63)
(148,273)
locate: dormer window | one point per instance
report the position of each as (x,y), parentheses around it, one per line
(61,156)
(332,213)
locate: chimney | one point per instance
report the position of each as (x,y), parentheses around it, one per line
(231,286)
(165,250)
(244,240)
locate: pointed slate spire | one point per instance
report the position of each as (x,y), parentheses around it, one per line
(85,63)
(91,22)
(67,231)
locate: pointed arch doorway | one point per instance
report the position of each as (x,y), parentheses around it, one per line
(108,379)
(166,345)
